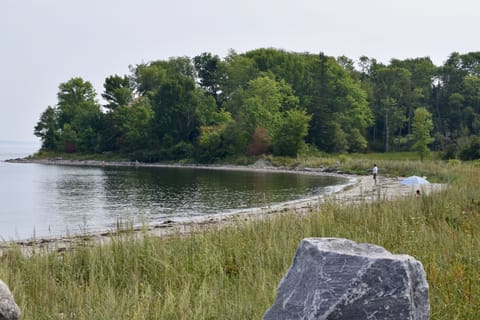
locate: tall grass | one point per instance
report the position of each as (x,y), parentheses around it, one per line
(435,170)
(233,272)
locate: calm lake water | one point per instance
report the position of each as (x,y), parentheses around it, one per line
(46,200)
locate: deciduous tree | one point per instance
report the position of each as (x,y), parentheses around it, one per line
(422,127)
(46,129)
(118,91)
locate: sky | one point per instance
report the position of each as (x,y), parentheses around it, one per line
(44,43)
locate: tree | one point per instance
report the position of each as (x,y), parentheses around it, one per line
(78,109)
(261,98)
(46,129)
(471,110)
(239,70)
(212,141)
(471,149)
(455,105)
(75,122)
(174,96)
(422,73)
(262,103)
(422,127)
(69,138)
(347,64)
(291,67)
(174,106)
(134,125)
(148,77)
(338,107)
(290,133)
(118,92)
(209,74)
(392,92)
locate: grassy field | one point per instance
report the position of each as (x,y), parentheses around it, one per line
(233,273)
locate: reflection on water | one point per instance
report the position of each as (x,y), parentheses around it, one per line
(55,200)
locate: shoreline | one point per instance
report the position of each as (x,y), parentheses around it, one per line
(359,189)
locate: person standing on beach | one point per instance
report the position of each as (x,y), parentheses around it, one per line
(375,172)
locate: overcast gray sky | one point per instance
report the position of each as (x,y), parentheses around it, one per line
(46,42)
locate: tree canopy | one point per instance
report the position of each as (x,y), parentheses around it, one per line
(269,101)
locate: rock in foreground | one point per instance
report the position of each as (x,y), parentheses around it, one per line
(8,308)
(337,279)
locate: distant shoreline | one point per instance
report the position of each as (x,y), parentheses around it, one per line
(258,166)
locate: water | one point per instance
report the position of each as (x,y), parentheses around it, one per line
(15,149)
(46,200)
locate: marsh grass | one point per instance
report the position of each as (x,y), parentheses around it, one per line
(233,272)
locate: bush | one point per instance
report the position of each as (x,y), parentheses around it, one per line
(449,152)
(471,150)
(260,143)
(182,150)
(290,134)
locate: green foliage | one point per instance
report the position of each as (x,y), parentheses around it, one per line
(259,108)
(356,141)
(133,125)
(400,156)
(149,76)
(182,150)
(174,105)
(212,138)
(75,123)
(368,108)
(422,126)
(239,69)
(392,91)
(210,73)
(261,103)
(471,150)
(211,143)
(69,139)
(290,134)
(118,91)
(338,107)
(46,129)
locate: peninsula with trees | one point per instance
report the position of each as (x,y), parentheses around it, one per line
(270,101)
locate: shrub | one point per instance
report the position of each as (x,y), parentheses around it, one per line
(260,143)
(471,150)
(182,150)
(210,144)
(290,134)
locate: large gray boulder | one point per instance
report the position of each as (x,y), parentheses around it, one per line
(8,308)
(334,278)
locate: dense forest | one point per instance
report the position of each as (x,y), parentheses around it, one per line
(271,101)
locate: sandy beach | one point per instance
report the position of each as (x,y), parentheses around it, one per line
(359,189)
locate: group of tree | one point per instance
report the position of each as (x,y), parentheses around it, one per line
(270,101)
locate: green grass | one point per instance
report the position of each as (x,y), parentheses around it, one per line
(106,156)
(405,155)
(233,273)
